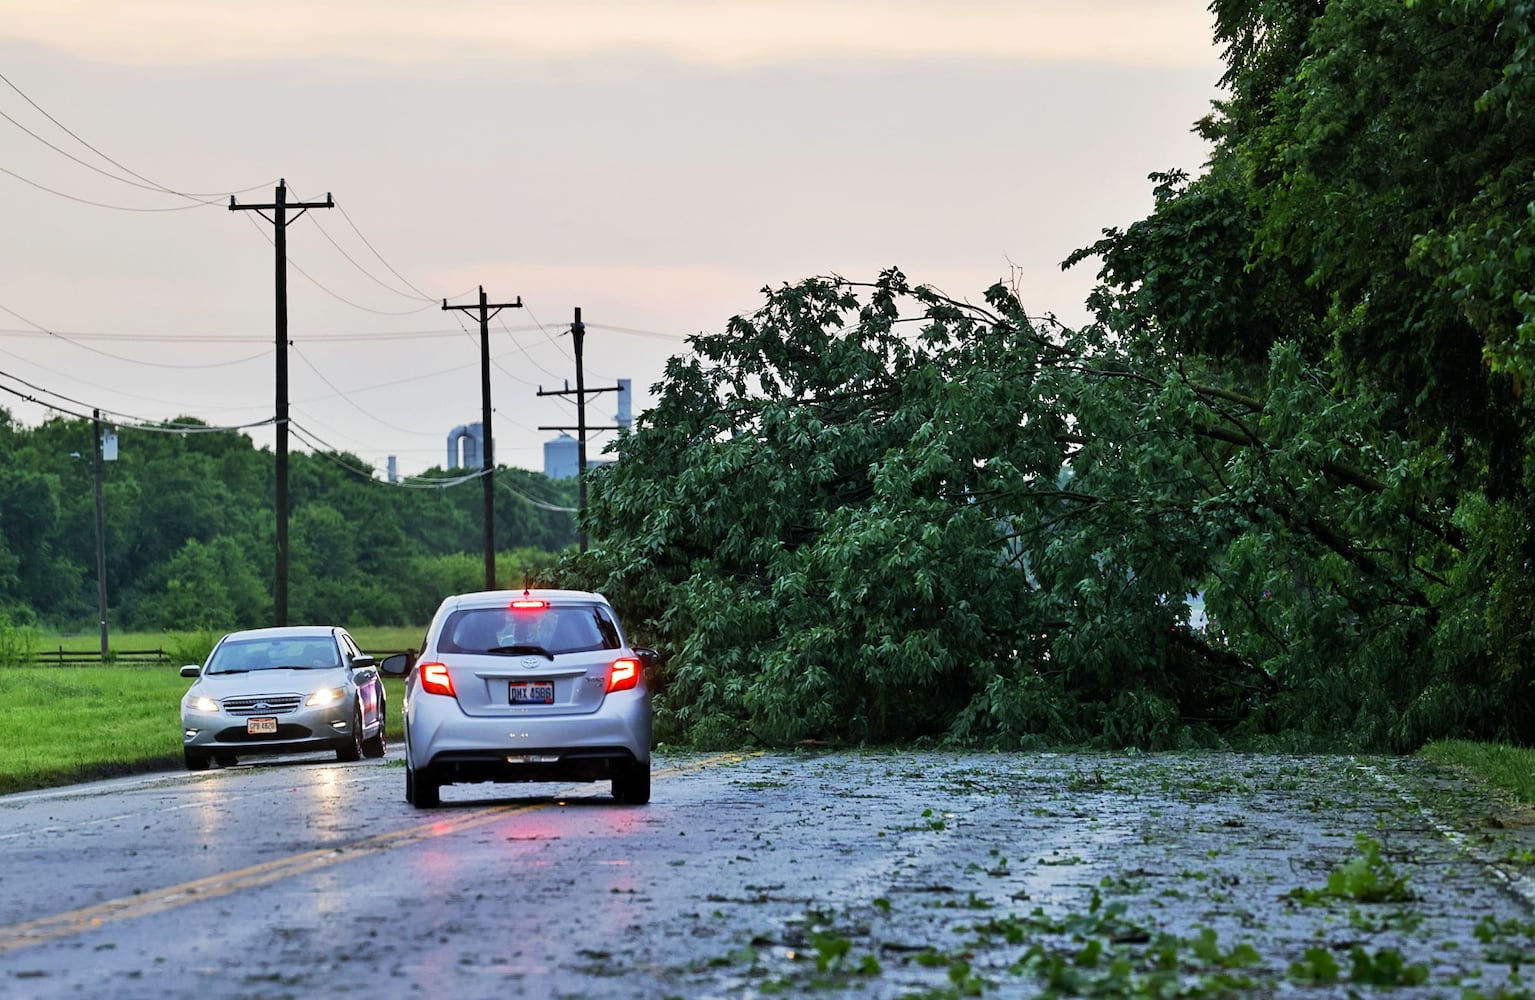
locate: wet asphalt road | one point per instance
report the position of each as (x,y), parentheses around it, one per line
(831,874)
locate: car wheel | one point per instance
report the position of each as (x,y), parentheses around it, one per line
(428,793)
(352,749)
(226,759)
(421,790)
(196,761)
(375,746)
(631,783)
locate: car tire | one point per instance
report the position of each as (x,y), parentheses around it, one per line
(421,790)
(196,761)
(352,749)
(631,783)
(376,746)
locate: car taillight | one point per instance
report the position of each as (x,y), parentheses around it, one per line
(623,675)
(435,679)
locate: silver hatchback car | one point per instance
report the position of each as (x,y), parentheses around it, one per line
(527,685)
(283,690)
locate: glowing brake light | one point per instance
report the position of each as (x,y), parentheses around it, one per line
(623,675)
(529,604)
(435,679)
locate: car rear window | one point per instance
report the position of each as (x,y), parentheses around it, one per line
(553,630)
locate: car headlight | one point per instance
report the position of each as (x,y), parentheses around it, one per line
(202,703)
(325,697)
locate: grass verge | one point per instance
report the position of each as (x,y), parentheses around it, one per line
(68,724)
(1508,768)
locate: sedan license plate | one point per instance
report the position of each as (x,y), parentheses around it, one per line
(261,727)
(532,692)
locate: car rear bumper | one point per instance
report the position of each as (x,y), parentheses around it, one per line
(457,747)
(536,764)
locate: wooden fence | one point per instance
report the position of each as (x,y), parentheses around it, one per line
(62,657)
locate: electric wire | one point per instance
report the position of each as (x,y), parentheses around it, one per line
(414,293)
(67,131)
(99,204)
(496,362)
(326,450)
(682,338)
(89,166)
(236,338)
(536,503)
(106,388)
(43,330)
(342,394)
(123,420)
(381,260)
(333,294)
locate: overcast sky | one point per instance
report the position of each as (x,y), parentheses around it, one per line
(655,164)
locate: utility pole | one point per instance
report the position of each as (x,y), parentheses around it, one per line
(487,460)
(101,545)
(578,337)
(279,220)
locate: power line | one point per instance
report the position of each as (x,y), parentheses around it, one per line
(117,357)
(639,333)
(155,184)
(384,262)
(89,166)
(99,204)
(347,398)
(367,273)
(337,295)
(538,503)
(103,388)
(237,338)
(125,420)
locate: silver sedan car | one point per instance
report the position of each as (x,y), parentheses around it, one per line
(283,690)
(526,685)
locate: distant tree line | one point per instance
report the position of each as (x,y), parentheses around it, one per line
(190,532)
(871,511)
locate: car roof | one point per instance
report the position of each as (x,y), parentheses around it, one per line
(283,632)
(501,598)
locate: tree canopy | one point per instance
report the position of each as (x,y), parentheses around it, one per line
(870,511)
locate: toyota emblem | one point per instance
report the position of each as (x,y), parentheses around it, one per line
(529,662)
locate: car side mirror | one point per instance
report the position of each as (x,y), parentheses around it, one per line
(358,662)
(191,670)
(649,658)
(396,664)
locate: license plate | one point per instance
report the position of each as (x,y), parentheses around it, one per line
(532,693)
(261,727)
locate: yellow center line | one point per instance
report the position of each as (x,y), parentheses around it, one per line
(43,929)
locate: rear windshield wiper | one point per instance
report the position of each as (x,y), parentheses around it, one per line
(521,648)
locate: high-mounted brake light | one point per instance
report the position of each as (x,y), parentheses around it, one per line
(623,675)
(527,604)
(435,679)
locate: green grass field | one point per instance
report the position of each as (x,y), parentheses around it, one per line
(67,724)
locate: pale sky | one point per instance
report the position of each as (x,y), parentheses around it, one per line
(654,163)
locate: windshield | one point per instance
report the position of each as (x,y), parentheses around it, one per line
(549,630)
(270,654)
